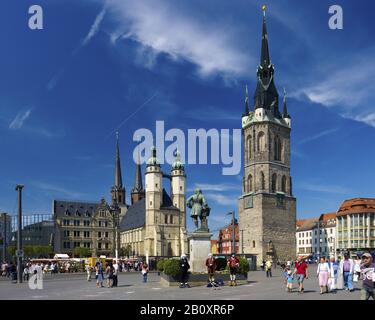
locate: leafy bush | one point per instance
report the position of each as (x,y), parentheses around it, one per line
(172,268)
(244,266)
(160,265)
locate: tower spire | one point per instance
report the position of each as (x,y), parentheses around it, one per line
(266,95)
(118,191)
(285,109)
(138,192)
(265,52)
(118,176)
(138,186)
(247,110)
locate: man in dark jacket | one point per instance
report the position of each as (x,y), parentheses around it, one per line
(211,266)
(184,266)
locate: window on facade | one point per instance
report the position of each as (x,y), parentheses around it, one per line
(249,183)
(248,149)
(76,233)
(86,223)
(165,219)
(66,233)
(99,245)
(253,244)
(66,222)
(66,245)
(283,184)
(76,223)
(277,148)
(262,181)
(106,234)
(171,219)
(99,234)
(274,180)
(261,142)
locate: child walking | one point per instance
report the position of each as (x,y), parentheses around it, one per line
(290,278)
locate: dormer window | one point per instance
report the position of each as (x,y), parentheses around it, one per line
(67,213)
(78,213)
(87,213)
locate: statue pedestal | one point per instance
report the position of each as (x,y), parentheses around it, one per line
(200,247)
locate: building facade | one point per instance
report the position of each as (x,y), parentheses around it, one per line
(356,225)
(225,241)
(155,225)
(311,232)
(92,225)
(267,207)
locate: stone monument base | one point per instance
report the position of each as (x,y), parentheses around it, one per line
(200,247)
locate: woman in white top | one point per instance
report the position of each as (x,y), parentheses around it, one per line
(323,275)
(357,268)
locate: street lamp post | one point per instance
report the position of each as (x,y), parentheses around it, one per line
(19,234)
(114,210)
(233,231)
(4,236)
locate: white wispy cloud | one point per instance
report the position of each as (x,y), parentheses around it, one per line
(20,119)
(318,135)
(215,187)
(344,87)
(159,25)
(94,27)
(225,200)
(52,190)
(334,189)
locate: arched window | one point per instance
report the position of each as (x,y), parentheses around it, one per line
(261,142)
(283,184)
(249,183)
(262,181)
(274,180)
(277,148)
(248,148)
(253,243)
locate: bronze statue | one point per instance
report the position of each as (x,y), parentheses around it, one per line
(199,209)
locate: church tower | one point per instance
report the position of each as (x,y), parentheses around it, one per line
(267,208)
(178,185)
(154,194)
(138,193)
(118,191)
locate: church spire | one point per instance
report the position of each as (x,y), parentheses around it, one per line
(266,95)
(265,52)
(138,192)
(118,191)
(118,176)
(285,109)
(246,113)
(138,186)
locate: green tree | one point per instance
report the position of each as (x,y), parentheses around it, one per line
(172,267)
(125,251)
(11,250)
(81,252)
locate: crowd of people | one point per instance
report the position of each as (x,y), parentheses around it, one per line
(334,274)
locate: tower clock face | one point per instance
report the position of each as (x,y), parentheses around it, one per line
(248,201)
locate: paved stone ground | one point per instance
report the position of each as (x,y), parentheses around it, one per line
(75,286)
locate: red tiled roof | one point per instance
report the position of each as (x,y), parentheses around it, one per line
(357,205)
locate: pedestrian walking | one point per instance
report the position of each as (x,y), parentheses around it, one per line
(233,264)
(145,272)
(323,273)
(99,274)
(301,271)
(269,268)
(184,267)
(332,281)
(290,280)
(211,266)
(116,268)
(368,272)
(346,270)
(357,268)
(262,265)
(109,273)
(26,273)
(88,270)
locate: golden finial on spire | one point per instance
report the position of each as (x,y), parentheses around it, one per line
(264,8)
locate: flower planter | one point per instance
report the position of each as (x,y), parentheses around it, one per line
(200,279)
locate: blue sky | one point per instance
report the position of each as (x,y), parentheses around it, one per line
(65,89)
